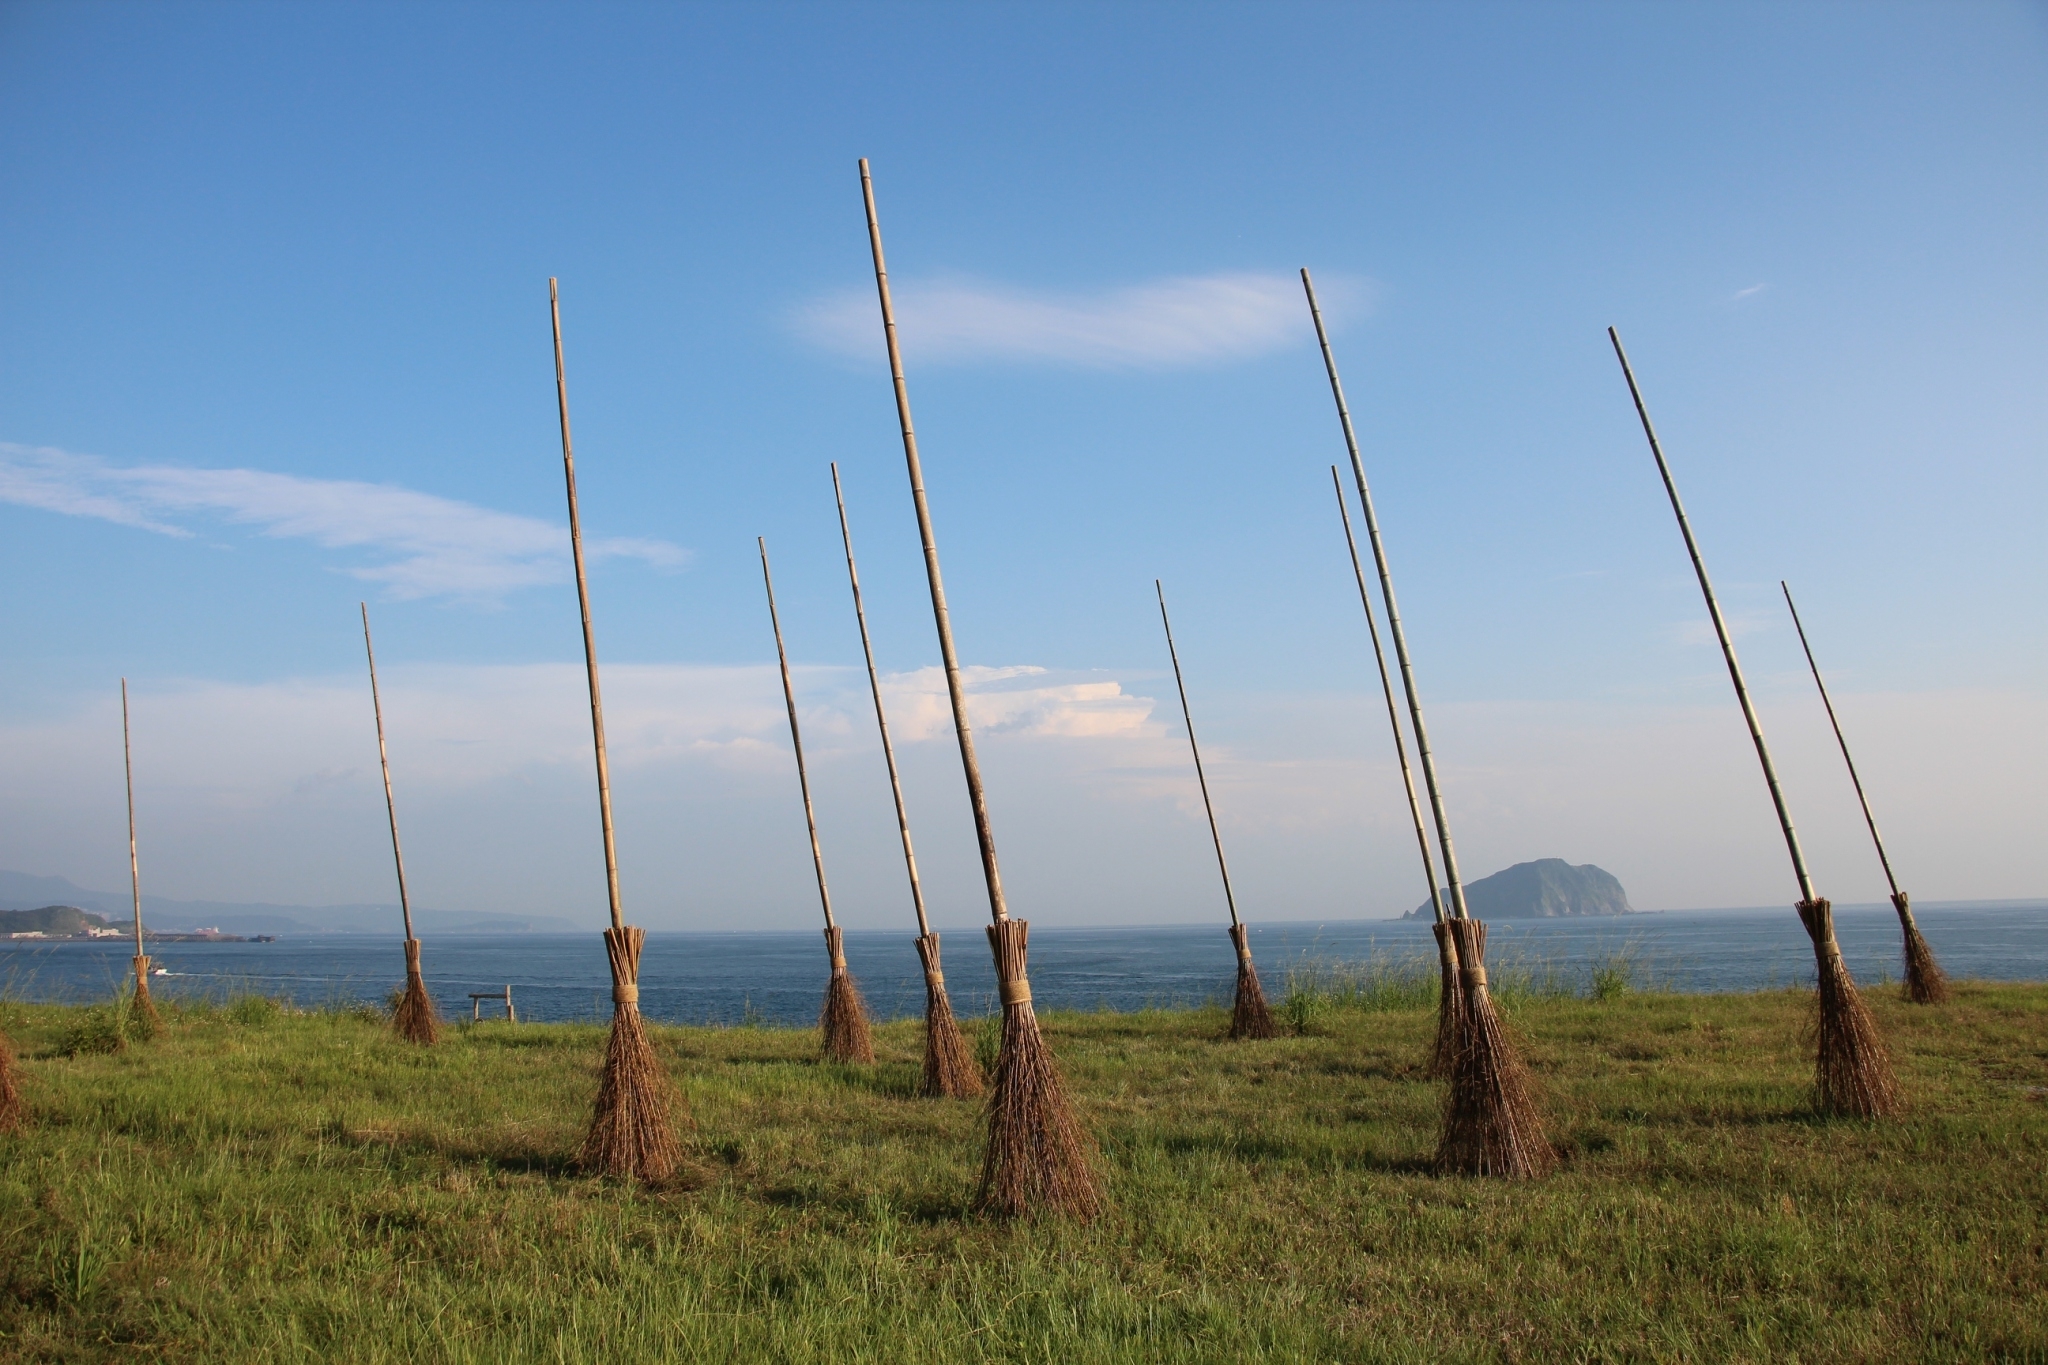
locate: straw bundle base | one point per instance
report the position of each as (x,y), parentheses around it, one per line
(950,1071)
(1249,1017)
(1852,1075)
(414,1018)
(1926,982)
(1037,1156)
(142,1015)
(630,1133)
(1450,1006)
(844,1022)
(1491,1123)
(10,1096)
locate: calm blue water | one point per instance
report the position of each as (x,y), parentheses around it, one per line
(780,977)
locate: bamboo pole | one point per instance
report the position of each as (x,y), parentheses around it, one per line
(1450,1000)
(1393,711)
(1379,556)
(1036,1159)
(796,735)
(843,1022)
(1491,1122)
(415,1018)
(384,765)
(867,650)
(1249,1015)
(145,1009)
(1194,748)
(1852,1072)
(1925,982)
(630,1132)
(949,1066)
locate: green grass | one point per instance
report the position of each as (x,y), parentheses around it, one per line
(260,1184)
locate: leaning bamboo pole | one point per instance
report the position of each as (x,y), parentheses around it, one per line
(1491,1122)
(1852,1073)
(1249,1016)
(1926,983)
(843,1021)
(950,1070)
(414,1019)
(1450,1001)
(144,1009)
(630,1130)
(1037,1154)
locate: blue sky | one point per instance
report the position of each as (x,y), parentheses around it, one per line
(275,283)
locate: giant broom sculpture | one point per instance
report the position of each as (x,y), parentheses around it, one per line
(843,1022)
(630,1131)
(950,1070)
(145,1010)
(1926,983)
(1249,1017)
(1037,1156)
(1450,1000)
(415,1019)
(1852,1073)
(1491,1125)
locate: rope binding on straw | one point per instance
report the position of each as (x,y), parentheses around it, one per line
(1492,1125)
(1037,1159)
(950,1071)
(1852,1070)
(629,1128)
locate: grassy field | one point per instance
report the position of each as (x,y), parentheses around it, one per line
(259,1184)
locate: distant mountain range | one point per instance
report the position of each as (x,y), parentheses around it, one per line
(1543,889)
(20,891)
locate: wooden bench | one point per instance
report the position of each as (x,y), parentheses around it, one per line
(476,1004)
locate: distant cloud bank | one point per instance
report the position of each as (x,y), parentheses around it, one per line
(429,546)
(1177,323)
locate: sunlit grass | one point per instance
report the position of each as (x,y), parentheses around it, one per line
(262,1184)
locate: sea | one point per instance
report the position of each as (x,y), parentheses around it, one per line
(778,978)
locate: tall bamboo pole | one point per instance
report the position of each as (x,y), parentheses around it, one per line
(604,772)
(630,1132)
(1036,1158)
(415,1018)
(145,1010)
(796,735)
(1491,1123)
(1852,1072)
(867,650)
(950,1069)
(134,865)
(1379,557)
(1194,748)
(384,764)
(1393,710)
(1925,982)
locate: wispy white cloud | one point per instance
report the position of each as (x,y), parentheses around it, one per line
(1745,293)
(425,545)
(1175,323)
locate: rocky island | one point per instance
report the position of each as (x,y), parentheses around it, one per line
(1544,889)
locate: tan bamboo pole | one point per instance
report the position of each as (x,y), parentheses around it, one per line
(843,1023)
(949,1066)
(630,1131)
(415,1018)
(1249,1015)
(1379,655)
(1853,1074)
(1926,984)
(1450,1000)
(1036,1157)
(145,1010)
(1491,1123)
(867,650)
